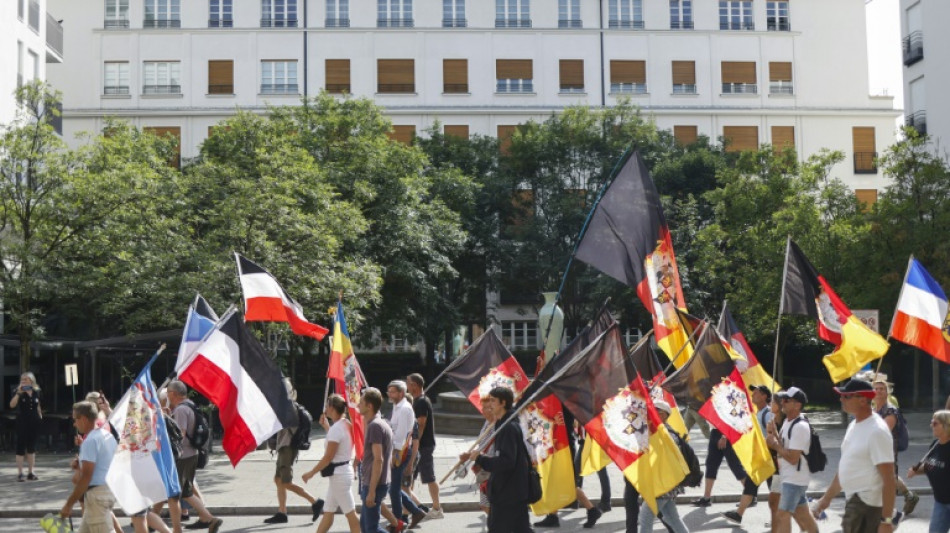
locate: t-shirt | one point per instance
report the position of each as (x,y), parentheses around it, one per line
(800,439)
(377,432)
(866,444)
(339,433)
(98,447)
(185,418)
(764,416)
(421,406)
(937,467)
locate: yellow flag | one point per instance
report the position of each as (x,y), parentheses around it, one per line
(859,346)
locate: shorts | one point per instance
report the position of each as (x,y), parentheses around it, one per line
(285,464)
(792,497)
(340,491)
(425,466)
(186,475)
(97,510)
(776,487)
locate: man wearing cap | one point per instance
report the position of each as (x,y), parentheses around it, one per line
(761,397)
(665,503)
(866,469)
(790,445)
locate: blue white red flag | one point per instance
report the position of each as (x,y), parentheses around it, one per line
(143,469)
(921,317)
(199,323)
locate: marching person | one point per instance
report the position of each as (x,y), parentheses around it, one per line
(26,401)
(425,468)
(284,475)
(936,466)
(377,453)
(338,455)
(790,445)
(762,399)
(665,503)
(95,457)
(866,469)
(402,422)
(886,409)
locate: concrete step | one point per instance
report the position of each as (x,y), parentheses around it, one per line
(454,402)
(455,415)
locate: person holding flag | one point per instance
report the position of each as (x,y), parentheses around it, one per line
(790,447)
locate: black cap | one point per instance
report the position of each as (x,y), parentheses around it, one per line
(857,386)
(761,388)
(794,393)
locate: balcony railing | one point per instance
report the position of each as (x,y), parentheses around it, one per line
(221,23)
(161,89)
(740,88)
(398,88)
(514,86)
(865,162)
(628,88)
(336,23)
(221,89)
(279,23)
(781,87)
(684,88)
(34,20)
(394,23)
(913,46)
(161,23)
(455,23)
(773,24)
(455,88)
(570,23)
(512,23)
(116,24)
(744,26)
(54,34)
(279,88)
(338,88)
(626,24)
(115,89)
(681,24)
(918,121)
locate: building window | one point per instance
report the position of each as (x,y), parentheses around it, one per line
(221,76)
(738,77)
(455,76)
(520,335)
(394,13)
(117,14)
(338,14)
(504,135)
(684,77)
(279,77)
(777,16)
(395,76)
(626,14)
(736,15)
(175,134)
(162,14)
(572,75)
(865,150)
(220,14)
(19,63)
(116,77)
(19,10)
(34,66)
(866,198)
(514,76)
(278,13)
(569,14)
(34,16)
(453,14)
(917,119)
(741,138)
(338,76)
(402,134)
(685,135)
(460,131)
(628,77)
(783,137)
(780,77)
(681,14)
(512,13)
(162,77)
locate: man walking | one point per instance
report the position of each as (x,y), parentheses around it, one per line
(402,421)
(95,456)
(425,468)
(377,454)
(761,398)
(284,476)
(866,470)
(790,445)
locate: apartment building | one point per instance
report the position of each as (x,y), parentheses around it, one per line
(925,51)
(29,39)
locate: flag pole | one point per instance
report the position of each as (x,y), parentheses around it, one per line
(781,306)
(174,373)
(890,330)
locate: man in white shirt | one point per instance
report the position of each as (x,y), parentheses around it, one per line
(402,421)
(790,445)
(866,469)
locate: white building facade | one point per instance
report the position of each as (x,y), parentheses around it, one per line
(29,39)
(926,50)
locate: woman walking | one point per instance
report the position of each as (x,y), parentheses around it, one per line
(26,401)
(339,456)
(936,465)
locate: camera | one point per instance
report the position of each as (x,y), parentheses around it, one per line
(27,388)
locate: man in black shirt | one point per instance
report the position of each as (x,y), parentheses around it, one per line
(425,468)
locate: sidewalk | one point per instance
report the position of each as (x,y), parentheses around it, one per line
(249,489)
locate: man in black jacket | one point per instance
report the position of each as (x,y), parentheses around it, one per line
(508,483)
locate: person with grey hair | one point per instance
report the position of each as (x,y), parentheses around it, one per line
(402,421)
(95,457)
(26,401)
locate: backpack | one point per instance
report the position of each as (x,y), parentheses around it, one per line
(901,435)
(301,437)
(815,457)
(695,476)
(174,435)
(200,437)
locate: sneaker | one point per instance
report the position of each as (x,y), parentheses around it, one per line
(32,477)
(593,515)
(702,502)
(21,477)
(550,520)
(733,517)
(185,517)
(897,518)
(604,505)
(434,514)
(398,528)
(416,518)
(910,501)
(200,525)
(279,518)
(317,508)
(215,525)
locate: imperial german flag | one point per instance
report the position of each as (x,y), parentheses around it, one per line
(805,292)
(486,364)
(609,399)
(346,376)
(734,340)
(711,384)
(628,239)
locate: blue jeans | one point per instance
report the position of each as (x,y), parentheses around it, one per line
(668,515)
(369,516)
(792,497)
(397,498)
(940,518)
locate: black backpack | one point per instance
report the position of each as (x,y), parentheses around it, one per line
(901,435)
(815,457)
(174,435)
(695,476)
(200,437)
(301,437)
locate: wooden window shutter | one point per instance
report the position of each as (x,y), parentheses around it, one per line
(684,73)
(738,72)
(514,69)
(780,71)
(624,71)
(338,75)
(220,76)
(504,137)
(866,198)
(572,74)
(455,75)
(864,149)
(403,134)
(685,135)
(783,137)
(162,131)
(396,76)
(459,130)
(740,138)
